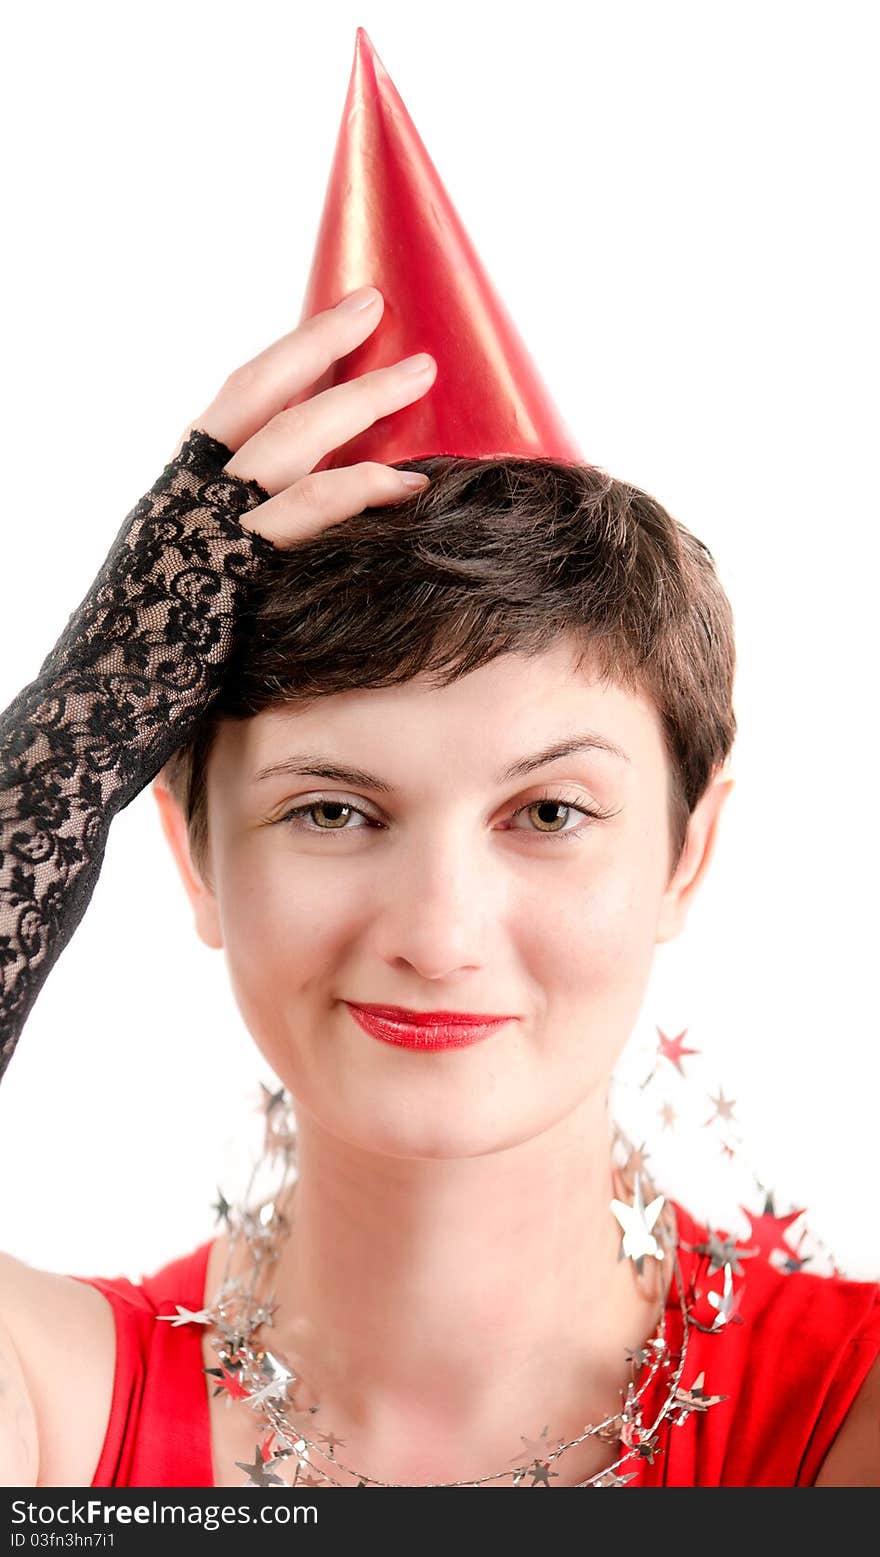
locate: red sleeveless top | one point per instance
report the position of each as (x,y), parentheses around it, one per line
(790,1371)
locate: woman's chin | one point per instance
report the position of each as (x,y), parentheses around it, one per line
(416,1132)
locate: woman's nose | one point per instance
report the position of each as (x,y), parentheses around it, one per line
(439,911)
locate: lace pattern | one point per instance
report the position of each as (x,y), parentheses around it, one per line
(134,669)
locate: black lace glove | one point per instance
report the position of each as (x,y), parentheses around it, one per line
(135,667)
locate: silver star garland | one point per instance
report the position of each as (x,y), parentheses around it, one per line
(254,1375)
(267,1384)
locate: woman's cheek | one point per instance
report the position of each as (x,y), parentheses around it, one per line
(596,960)
(277,932)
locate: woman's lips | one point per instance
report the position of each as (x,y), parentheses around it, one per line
(428,1030)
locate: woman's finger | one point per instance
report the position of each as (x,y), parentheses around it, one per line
(263,386)
(324,497)
(298,438)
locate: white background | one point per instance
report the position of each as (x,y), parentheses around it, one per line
(677,202)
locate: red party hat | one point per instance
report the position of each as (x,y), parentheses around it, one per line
(389,222)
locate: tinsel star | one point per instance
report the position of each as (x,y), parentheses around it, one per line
(632,1434)
(648,1446)
(693,1399)
(723,1106)
(672,1049)
(639,1356)
(610,1478)
(234,1343)
(285,1446)
(189,1316)
(281,1449)
(637,1221)
(533,1447)
(272,1367)
(725,1303)
(229,1384)
(222,1206)
(279,1378)
(766,1229)
(668,1115)
(793,1263)
(540,1472)
(259,1474)
(723,1251)
(272,1100)
(331,1440)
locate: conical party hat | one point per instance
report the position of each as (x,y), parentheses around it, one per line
(389,222)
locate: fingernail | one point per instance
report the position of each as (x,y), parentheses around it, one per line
(356,301)
(413,478)
(416,364)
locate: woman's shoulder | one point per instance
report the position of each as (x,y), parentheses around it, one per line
(795,1356)
(84,1343)
(63,1335)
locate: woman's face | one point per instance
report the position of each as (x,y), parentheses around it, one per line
(433,881)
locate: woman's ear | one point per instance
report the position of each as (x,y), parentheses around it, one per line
(199,892)
(699,846)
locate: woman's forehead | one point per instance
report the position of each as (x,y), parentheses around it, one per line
(490,722)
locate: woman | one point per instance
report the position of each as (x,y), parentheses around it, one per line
(549,653)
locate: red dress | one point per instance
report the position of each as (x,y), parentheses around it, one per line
(158,1432)
(790,1370)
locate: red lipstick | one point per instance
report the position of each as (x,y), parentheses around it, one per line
(425,1029)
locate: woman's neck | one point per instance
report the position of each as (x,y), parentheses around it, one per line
(440,1309)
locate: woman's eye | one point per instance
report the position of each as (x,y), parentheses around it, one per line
(337,813)
(544,815)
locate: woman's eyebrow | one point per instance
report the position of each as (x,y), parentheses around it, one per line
(313,765)
(589,740)
(308,765)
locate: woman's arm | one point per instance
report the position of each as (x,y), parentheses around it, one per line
(134,668)
(19,1436)
(142,656)
(854,1457)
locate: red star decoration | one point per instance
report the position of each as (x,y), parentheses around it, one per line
(229,1383)
(672,1049)
(766,1230)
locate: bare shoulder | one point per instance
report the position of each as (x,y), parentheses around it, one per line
(854,1457)
(60,1357)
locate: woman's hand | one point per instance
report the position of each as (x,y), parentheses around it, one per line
(279,447)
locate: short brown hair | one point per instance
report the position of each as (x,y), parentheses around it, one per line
(495,556)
